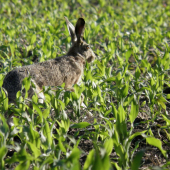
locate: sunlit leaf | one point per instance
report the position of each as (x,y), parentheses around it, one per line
(108,146)
(3,152)
(128,54)
(75,154)
(157,143)
(33,39)
(34,149)
(89,160)
(81,125)
(134,111)
(60,143)
(47,134)
(23,165)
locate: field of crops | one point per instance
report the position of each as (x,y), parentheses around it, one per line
(124,122)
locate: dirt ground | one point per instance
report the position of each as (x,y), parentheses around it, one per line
(152,158)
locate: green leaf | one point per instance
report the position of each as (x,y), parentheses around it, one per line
(137,73)
(143,103)
(97,163)
(110,79)
(74,96)
(34,149)
(33,39)
(35,98)
(81,125)
(65,124)
(128,54)
(12,48)
(135,135)
(1,81)
(107,112)
(4,99)
(121,114)
(79,89)
(134,111)
(108,145)
(27,82)
(119,151)
(35,106)
(47,133)
(101,161)
(4,129)
(136,163)
(48,160)
(101,67)
(165,57)
(143,88)
(125,90)
(157,143)
(62,104)
(88,76)
(20,156)
(161,100)
(167,135)
(168,96)
(3,152)
(116,166)
(60,143)
(47,97)
(23,165)
(106,162)
(166,119)
(89,160)
(75,155)
(33,135)
(75,165)
(46,113)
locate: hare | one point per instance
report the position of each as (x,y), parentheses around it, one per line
(67,69)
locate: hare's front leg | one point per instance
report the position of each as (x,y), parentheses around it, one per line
(69,82)
(39,92)
(68,85)
(69,88)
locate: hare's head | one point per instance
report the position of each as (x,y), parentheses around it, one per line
(79,46)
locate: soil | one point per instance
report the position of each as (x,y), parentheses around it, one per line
(152,156)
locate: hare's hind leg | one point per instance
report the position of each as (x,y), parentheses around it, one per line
(68,85)
(75,78)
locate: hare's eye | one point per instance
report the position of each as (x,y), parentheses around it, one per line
(87,47)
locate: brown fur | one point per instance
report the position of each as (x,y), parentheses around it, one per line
(67,69)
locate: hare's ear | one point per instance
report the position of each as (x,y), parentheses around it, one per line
(79,30)
(71,30)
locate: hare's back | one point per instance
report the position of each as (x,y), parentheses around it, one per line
(49,73)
